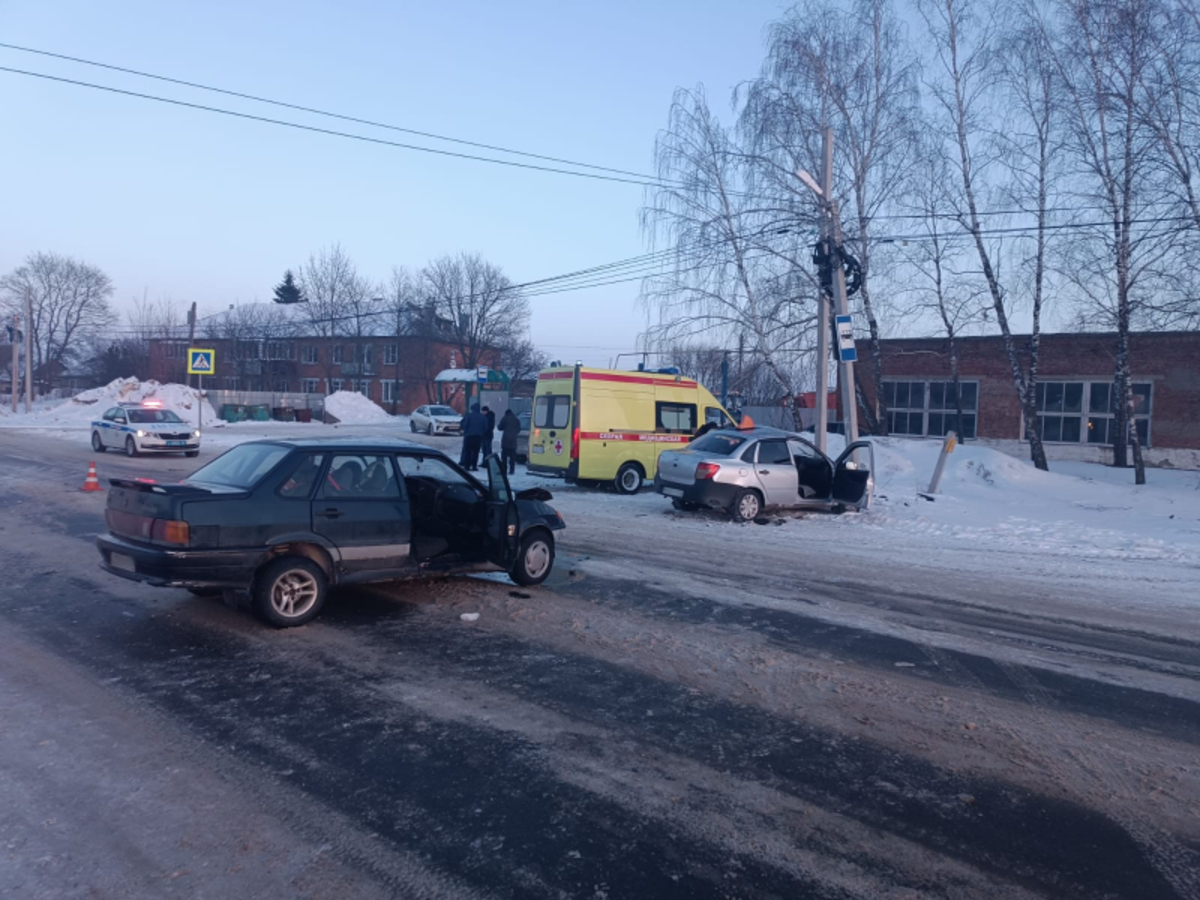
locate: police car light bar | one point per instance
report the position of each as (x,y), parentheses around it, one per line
(152,404)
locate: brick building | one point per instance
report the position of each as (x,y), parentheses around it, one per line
(1074,394)
(397,373)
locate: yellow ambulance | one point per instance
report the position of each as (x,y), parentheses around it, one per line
(598,425)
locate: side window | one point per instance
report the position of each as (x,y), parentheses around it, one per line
(433,468)
(110,414)
(714,415)
(299,483)
(749,453)
(355,476)
(802,450)
(774,453)
(674,417)
(119,416)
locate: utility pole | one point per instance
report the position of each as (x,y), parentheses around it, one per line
(821,425)
(16,358)
(28,352)
(191,319)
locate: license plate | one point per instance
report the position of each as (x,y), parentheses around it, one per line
(122,562)
(673,492)
(537,449)
(176,443)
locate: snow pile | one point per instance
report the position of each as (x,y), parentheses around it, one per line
(351,408)
(85,406)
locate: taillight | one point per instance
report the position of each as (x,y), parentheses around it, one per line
(575,443)
(168,531)
(705,471)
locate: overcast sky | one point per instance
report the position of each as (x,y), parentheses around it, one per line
(190,205)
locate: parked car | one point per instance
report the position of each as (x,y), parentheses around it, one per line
(144,428)
(287,520)
(435,419)
(745,472)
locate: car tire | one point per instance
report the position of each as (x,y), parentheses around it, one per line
(130,447)
(429,429)
(191,454)
(747,506)
(283,585)
(630,478)
(97,444)
(535,558)
(412,426)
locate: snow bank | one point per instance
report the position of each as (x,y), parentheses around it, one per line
(351,408)
(85,406)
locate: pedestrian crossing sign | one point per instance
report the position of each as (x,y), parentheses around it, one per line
(201,362)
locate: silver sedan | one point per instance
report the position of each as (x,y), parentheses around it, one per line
(744,472)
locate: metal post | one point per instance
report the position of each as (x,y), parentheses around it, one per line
(821,426)
(725,380)
(947,449)
(28,352)
(849,408)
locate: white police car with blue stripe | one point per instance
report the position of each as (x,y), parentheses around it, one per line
(144,428)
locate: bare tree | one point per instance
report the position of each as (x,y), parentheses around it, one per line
(523,360)
(331,285)
(254,334)
(963,35)
(70,302)
(483,309)
(1102,57)
(726,272)
(401,306)
(852,70)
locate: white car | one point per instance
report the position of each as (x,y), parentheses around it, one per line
(144,428)
(435,419)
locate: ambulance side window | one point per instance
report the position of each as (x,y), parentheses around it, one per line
(714,415)
(675,417)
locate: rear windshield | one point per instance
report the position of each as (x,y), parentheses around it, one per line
(150,416)
(242,467)
(441,411)
(552,411)
(717,443)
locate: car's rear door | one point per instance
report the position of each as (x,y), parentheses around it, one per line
(362,509)
(777,473)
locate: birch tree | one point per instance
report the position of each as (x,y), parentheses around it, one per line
(483,309)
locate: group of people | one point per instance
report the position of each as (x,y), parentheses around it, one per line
(479,428)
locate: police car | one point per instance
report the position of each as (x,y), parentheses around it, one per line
(144,428)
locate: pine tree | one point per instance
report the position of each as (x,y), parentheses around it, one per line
(288,291)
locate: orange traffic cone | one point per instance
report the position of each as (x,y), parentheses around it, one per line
(92,483)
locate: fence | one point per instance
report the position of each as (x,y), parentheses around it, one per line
(278,404)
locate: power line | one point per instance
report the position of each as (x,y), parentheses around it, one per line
(331,132)
(332,115)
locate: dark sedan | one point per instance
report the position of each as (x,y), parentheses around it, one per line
(286,520)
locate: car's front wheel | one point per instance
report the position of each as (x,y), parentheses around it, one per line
(290,591)
(97,444)
(429,429)
(746,506)
(535,559)
(412,426)
(130,446)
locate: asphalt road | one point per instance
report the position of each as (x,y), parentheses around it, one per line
(653,722)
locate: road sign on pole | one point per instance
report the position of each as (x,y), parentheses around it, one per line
(201,362)
(483,374)
(845,332)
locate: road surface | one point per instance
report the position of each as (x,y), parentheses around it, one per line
(683,710)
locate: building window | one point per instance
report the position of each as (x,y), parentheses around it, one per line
(928,408)
(1075,412)
(337,353)
(310,385)
(335,385)
(364,388)
(391,355)
(391,392)
(281,387)
(364,354)
(308,354)
(231,382)
(176,350)
(281,350)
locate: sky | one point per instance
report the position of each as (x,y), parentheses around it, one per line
(191,206)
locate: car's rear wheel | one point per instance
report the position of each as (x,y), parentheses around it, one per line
(290,591)
(535,559)
(630,478)
(130,446)
(97,444)
(747,506)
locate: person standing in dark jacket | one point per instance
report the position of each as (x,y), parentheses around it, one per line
(510,430)
(490,434)
(474,424)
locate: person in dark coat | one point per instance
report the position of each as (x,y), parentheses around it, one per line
(490,434)
(474,424)
(510,429)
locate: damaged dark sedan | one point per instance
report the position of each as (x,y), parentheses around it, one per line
(287,520)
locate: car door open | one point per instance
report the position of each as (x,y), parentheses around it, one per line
(503,521)
(852,475)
